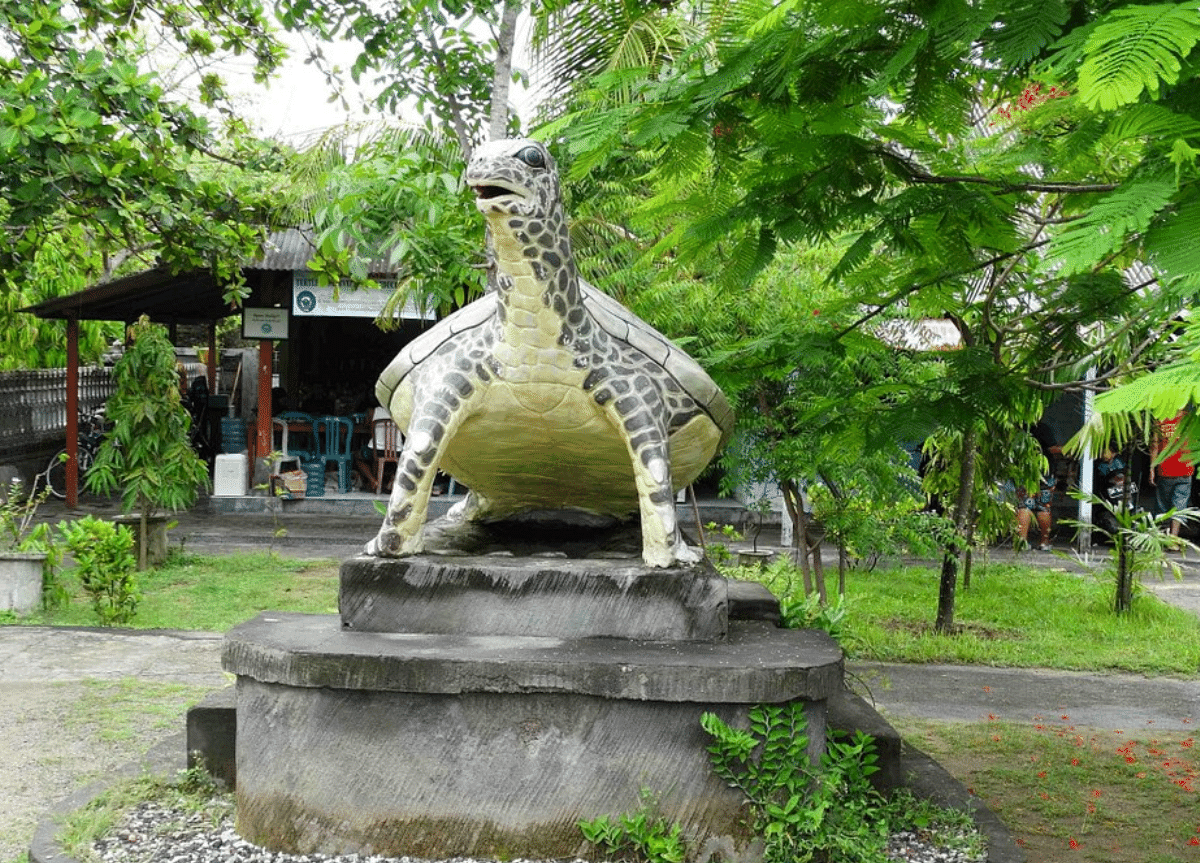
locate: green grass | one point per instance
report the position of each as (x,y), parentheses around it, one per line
(130,710)
(1012,615)
(214,593)
(1067,793)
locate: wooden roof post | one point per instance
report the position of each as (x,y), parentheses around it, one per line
(72,413)
(263,426)
(212,359)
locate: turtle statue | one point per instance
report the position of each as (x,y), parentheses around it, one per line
(545,394)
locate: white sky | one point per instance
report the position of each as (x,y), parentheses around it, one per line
(296,105)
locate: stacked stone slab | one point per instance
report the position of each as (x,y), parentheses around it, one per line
(484,705)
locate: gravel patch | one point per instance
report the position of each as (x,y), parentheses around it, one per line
(155,833)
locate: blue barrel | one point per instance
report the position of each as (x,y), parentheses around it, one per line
(315,474)
(233,434)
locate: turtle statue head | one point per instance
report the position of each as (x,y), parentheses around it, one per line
(516,177)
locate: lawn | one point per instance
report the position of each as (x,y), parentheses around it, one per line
(1012,615)
(214,593)
(1070,793)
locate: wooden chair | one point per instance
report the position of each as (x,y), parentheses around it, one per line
(383,448)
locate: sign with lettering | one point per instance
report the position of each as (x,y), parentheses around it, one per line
(264,323)
(310,299)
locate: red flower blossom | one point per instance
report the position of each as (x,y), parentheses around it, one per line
(1073,843)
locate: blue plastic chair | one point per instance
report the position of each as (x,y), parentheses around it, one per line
(335,436)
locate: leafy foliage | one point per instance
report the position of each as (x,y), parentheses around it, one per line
(105,566)
(645,835)
(1136,48)
(91,141)
(399,200)
(148,454)
(900,143)
(802,813)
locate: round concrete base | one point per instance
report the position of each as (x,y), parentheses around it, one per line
(442,746)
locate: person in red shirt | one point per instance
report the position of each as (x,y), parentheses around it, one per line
(1171,477)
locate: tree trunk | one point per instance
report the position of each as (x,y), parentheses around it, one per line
(795,507)
(1124,573)
(144,537)
(944,623)
(502,72)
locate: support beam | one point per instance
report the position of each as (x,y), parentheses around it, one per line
(263,423)
(212,358)
(72,413)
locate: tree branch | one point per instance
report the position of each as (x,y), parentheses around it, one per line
(912,289)
(914,173)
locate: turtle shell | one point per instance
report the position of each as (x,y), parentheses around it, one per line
(619,323)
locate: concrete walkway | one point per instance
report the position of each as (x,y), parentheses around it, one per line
(36,663)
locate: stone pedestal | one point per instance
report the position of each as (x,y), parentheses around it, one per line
(21,581)
(533,596)
(484,706)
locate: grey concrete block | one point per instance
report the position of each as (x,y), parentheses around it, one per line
(212,735)
(749,600)
(561,598)
(473,774)
(440,745)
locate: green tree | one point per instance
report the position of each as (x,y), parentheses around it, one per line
(94,145)
(1002,166)
(147,455)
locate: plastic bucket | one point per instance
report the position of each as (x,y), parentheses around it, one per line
(233,434)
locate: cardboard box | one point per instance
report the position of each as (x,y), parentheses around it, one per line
(290,485)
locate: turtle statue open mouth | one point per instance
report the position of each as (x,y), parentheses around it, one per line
(546,394)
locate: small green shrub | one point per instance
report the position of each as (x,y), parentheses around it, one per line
(105,566)
(801,812)
(646,835)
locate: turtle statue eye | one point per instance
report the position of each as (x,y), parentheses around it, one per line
(533,157)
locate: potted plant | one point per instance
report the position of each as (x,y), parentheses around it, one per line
(755,512)
(28,556)
(148,454)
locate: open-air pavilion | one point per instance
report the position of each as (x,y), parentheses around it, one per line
(317,347)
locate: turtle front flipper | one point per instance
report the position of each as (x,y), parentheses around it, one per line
(644,431)
(429,432)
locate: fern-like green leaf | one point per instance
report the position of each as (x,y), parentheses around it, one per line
(1171,241)
(1028,29)
(1133,50)
(1148,121)
(1085,242)
(1162,393)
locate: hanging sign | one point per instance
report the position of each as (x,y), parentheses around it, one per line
(264,323)
(310,299)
